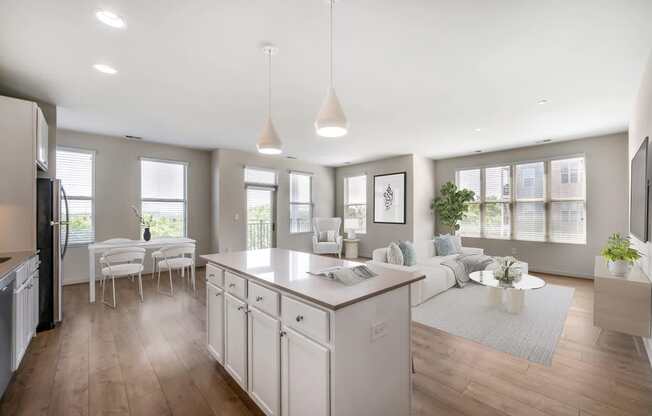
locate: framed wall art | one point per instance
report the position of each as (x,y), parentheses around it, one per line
(390,198)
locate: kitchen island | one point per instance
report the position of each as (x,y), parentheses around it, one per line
(301,344)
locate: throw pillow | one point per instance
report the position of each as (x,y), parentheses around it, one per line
(409,253)
(331,236)
(322,237)
(445,245)
(394,254)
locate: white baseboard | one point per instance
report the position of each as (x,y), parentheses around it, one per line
(546,270)
(647,342)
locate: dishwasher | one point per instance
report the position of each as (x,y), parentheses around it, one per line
(6,327)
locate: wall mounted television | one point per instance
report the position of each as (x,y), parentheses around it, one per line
(641,170)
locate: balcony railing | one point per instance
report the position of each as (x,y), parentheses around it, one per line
(259,235)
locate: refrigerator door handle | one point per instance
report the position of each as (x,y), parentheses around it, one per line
(67,222)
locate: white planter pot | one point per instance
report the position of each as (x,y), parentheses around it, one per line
(618,267)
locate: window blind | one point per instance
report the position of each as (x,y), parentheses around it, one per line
(163,197)
(300,202)
(75,170)
(533,201)
(355,204)
(260,176)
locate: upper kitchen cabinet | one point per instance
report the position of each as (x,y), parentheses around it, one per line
(18,137)
(42,132)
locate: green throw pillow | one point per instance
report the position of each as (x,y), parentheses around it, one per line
(409,253)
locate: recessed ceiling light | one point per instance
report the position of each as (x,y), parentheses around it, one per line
(542,101)
(105,69)
(110,19)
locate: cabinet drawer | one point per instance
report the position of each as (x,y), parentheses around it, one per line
(235,285)
(215,275)
(264,299)
(305,319)
(22,274)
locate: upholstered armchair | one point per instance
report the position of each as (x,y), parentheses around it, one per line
(321,226)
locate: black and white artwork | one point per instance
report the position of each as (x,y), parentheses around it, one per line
(389,198)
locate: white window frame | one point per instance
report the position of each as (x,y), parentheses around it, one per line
(346,203)
(84,198)
(547,199)
(186,167)
(310,204)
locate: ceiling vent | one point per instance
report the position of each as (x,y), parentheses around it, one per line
(130,137)
(543,141)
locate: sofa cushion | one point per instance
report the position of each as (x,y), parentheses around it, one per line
(409,253)
(445,245)
(394,254)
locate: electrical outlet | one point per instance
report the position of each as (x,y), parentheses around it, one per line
(513,250)
(236,217)
(378,330)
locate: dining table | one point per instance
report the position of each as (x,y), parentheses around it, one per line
(154,244)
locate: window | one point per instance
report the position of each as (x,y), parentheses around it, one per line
(259,176)
(75,169)
(163,197)
(546,203)
(355,204)
(300,202)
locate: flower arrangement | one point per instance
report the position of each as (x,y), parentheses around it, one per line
(508,270)
(141,219)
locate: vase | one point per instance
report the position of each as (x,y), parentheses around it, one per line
(618,267)
(146,234)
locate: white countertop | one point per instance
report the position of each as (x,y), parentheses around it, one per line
(288,270)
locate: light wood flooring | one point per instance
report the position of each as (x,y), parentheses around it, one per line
(149,359)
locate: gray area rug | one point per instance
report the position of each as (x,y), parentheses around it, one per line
(533,334)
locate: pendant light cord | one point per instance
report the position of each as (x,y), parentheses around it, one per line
(269,84)
(331,40)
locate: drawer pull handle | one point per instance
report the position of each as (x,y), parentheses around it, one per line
(211,275)
(259,298)
(299,318)
(283,333)
(240,308)
(231,285)
(218,294)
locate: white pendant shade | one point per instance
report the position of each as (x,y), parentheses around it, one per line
(269,142)
(331,121)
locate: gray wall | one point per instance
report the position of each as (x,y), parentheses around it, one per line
(640,127)
(378,235)
(607,201)
(117,188)
(229,205)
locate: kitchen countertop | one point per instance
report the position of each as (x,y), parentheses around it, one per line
(288,270)
(17,258)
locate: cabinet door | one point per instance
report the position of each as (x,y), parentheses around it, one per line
(265,361)
(305,376)
(35,310)
(41,140)
(215,321)
(18,333)
(235,351)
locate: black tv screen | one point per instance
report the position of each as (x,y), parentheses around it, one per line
(638,213)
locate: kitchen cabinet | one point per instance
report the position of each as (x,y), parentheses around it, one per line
(41,128)
(304,376)
(215,321)
(235,334)
(25,313)
(264,361)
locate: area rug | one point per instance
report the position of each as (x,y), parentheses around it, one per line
(533,334)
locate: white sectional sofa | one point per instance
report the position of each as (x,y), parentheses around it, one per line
(438,278)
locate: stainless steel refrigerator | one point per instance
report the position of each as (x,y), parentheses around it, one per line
(52,242)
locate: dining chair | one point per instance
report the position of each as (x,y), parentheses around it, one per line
(179,257)
(121,262)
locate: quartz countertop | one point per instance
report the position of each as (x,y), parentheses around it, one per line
(287,270)
(17,258)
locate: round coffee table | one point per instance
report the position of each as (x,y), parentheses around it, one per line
(515,291)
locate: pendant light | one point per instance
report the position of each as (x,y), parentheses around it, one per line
(269,142)
(331,121)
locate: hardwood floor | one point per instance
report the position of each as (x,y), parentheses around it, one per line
(150,359)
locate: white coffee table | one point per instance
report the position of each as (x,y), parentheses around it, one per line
(515,292)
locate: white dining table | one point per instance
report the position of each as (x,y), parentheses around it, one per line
(154,244)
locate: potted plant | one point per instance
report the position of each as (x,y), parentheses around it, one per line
(146,233)
(452,205)
(619,254)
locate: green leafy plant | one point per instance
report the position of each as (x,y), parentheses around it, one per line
(619,248)
(452,205)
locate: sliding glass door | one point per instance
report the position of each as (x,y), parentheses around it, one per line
(261,229)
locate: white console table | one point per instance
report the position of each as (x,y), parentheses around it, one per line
(300,344)
(622,304)
(154,244)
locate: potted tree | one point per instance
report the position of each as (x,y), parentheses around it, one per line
(619,254)
(452,205)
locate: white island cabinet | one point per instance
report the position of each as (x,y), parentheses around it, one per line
(301,344)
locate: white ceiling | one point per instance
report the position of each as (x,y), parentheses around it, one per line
(413,76)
